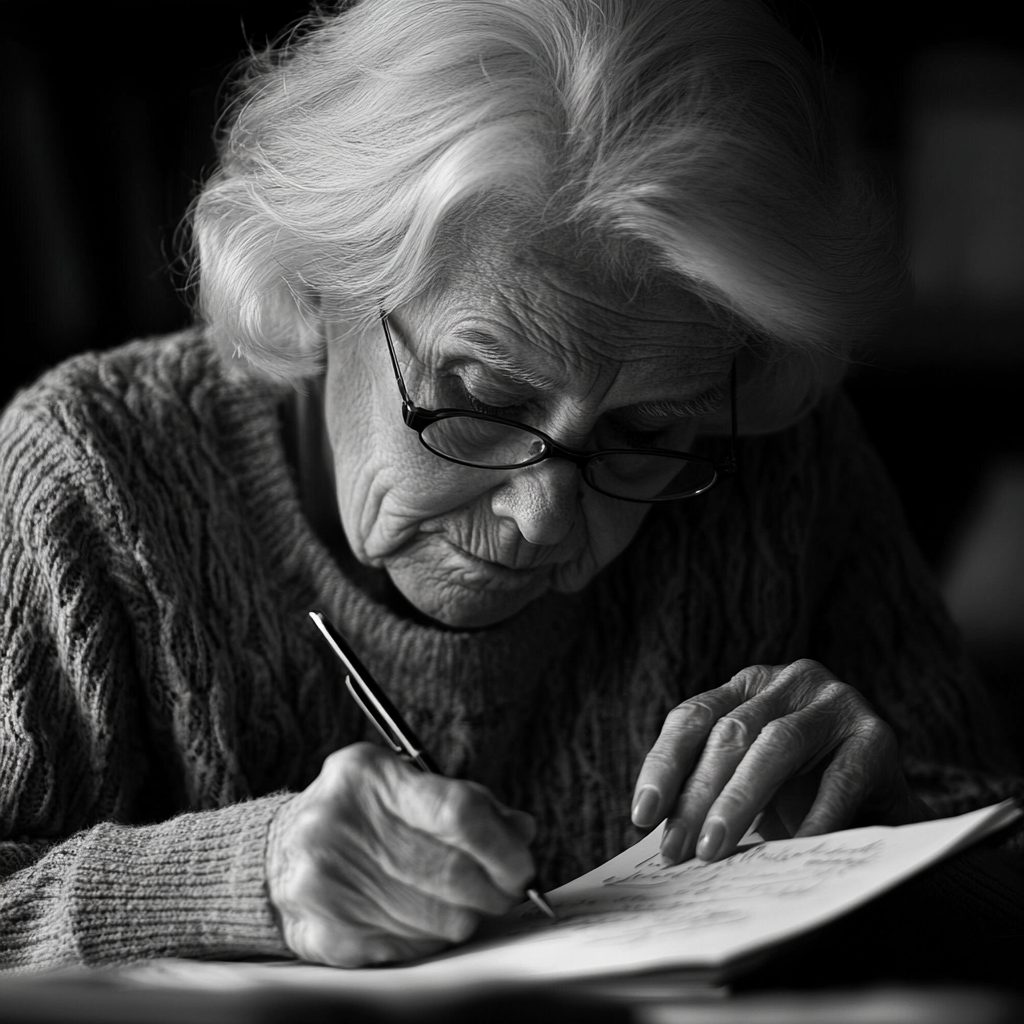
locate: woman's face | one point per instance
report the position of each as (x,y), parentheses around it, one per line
(470,547)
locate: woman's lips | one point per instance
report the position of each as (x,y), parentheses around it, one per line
(505,569)
(504,566)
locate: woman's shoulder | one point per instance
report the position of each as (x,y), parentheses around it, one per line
(171,384)
(142,377)
(148,408)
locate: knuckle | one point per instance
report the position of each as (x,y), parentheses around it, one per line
(693,714)
(337,762)
(341,765)
(753,678)
(837,692)
(459,808)
(804,674)
(781,733)
(360,755)
(807,667)
(731,733)
(877,733)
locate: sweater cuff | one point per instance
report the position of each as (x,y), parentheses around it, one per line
(193,886)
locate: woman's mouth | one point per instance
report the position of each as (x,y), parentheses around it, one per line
(506,567)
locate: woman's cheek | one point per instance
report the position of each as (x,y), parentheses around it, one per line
(396,493)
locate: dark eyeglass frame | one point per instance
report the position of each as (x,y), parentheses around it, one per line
(418,419)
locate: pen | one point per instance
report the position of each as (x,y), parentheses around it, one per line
(374,703)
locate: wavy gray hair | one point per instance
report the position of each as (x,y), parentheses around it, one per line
(688,137)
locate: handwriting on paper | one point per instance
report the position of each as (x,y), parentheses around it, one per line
(695,894)
(636,914)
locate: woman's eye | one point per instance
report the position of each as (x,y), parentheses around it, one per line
(479,405)
(665,435)
(637,438)
(489,403)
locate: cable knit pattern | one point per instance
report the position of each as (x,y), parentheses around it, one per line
(162,690)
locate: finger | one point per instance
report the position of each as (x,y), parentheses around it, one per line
(782,748)
(464,816)
(384,833)
(676,750)
(816,713)
(322,939)
(441,870)
(520,822)
(864,770)
(373,888)
(726,747)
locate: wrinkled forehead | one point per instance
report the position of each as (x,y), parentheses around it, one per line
(537,296)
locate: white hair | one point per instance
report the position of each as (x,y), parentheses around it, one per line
(680,137)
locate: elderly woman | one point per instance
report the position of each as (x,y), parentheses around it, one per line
(520,321)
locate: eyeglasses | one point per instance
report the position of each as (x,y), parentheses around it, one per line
(492,442)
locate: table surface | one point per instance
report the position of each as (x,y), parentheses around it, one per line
(90,998)
(943,948)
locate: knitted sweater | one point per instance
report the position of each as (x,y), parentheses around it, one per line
(162,690)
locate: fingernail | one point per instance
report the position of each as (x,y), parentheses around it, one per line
(672,843)
(711,841)
(646,807)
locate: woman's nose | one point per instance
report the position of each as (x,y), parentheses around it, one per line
(542,500)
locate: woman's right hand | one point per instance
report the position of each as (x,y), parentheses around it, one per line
(375,861)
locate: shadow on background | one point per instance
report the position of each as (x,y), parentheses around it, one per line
(107,117)
(107,114)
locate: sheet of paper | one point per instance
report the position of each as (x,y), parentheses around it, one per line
(635,914)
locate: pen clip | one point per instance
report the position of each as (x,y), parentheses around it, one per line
(382,728)
(373,702)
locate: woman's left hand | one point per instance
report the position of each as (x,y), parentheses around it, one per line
(723,755)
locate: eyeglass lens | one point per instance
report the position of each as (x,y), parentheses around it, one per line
(482,442)
(635,475)
(645,477)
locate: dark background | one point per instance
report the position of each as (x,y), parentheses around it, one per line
(107,111)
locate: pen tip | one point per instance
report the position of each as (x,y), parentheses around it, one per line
(541,903)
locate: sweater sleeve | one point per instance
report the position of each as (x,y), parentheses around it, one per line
(95,866)
(883,628)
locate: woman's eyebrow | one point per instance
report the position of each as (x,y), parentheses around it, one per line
(704,401)
(499,358)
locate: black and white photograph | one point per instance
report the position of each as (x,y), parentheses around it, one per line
(511,511)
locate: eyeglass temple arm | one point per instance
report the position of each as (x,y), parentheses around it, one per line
(407,402)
